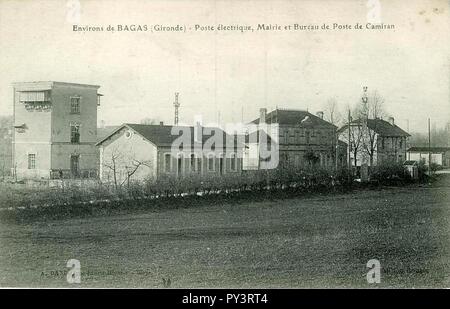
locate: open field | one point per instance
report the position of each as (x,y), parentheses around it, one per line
(316,241)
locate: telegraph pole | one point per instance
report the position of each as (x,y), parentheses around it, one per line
(349,143)
(429,148)
(177,105)
(336,151)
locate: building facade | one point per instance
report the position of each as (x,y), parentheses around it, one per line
(439,155)
(374,141)
(5,146)
(55,130)
(302,139)
(141,152)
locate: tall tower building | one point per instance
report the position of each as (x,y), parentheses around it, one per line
(55,130)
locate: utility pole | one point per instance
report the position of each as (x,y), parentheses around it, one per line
(177,105)
(429,148)
(336,151)
(349,143)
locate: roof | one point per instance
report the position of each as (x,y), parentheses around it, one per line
(47,85)
(294,117)
(105,131)
(161,135)
(254,137)
(427,149)
(381,127)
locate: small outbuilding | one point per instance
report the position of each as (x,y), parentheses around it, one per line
(439,155)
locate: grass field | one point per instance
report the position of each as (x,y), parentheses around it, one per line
(316,241)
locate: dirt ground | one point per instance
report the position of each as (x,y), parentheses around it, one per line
(321,241)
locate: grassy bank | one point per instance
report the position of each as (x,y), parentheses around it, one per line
(21,203)
(317,240)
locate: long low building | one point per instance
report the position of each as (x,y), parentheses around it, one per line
(139,152)
(439,155)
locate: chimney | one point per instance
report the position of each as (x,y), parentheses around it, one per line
(391,121)
(161,123)
(320,115)
(262,115)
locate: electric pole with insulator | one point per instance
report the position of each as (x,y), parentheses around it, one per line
(177,105)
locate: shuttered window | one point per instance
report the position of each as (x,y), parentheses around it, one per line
(31,161)
(75,105)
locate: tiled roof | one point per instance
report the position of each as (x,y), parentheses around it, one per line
(381,127)
(105,131)
(426,149)
(384,128)
(161,135)
(294,117)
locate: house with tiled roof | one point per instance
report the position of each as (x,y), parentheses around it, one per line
(140,152)
(374,141)
(303,139)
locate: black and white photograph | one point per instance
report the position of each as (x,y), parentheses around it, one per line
(212,144)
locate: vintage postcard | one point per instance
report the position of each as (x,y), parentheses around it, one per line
(224,144)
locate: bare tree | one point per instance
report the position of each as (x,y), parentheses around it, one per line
(123,164)
(112,165)
(332,113)
(149,121)
(356,140)
(131,170)
(370,110)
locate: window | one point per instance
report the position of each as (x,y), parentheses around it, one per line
(308,138)
(74,133)
(192,162)
(233,162)
(167,161)
(31,161)
(180,164)
(34,96)
(297,136)
(211,163)
(75,105)
(199,165)
(221,165)
(297,160)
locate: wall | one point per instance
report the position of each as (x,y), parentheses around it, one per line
(251,157)
(295,143)
(202,160)
(394,149)
(126,151)
(437,158)
(35,138)
(47,132)
(62,148)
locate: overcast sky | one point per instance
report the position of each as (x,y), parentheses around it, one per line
(231,72)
